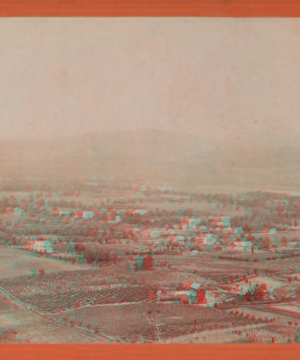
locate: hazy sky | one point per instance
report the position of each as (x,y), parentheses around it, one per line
(235,80)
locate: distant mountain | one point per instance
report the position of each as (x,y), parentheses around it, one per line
(148,155)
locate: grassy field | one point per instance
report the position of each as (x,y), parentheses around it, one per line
(17,263)
(162,277)
(28,328)
(128,323)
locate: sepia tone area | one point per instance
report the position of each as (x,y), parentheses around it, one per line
(149,188)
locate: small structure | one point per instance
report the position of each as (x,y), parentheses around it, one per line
(55,212)
(226,220)
(203,228)
(41,246)
(238,230)
(184,223)
(88,214)
(17,211)
(110,219)
(195,286)
(64,212)
(194,223)
(9,210)
(180,240)
(144,187)
(78,214)
(139,211)
(118,219)
(243,246)
(184,227)
(209,239)
(180,296)
(156,233)
(293,245)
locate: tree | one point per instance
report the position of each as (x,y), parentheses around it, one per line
(277,241)
(297,336)
(71,248)
(266,243)
(138,265)
(201,296)
(255,293)
(258,242)
(154,319)
(283,240)
(80,248)
(148,262)
(104,256)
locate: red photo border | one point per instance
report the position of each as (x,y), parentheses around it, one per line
(212,8)
(116,8)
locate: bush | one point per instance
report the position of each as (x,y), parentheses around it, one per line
(297,336)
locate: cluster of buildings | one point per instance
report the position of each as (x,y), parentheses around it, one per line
(195,294)
(13,211)
(83,214)
(219,238)
(39,245)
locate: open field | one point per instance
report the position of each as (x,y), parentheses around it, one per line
(128,322)
(20,326)
(54,292)
(89,198)
(17,263)
(162,277)
(28,328)
(233,334)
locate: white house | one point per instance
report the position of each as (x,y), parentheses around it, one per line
(64,212)
(203,228)
(156,233)
(209,239)
(88,214)
(42,246)
(243,246)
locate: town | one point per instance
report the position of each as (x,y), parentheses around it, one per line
(146,264)
(149,183)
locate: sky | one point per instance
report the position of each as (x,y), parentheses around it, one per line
(233,80)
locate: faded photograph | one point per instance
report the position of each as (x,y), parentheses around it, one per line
(149,180)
